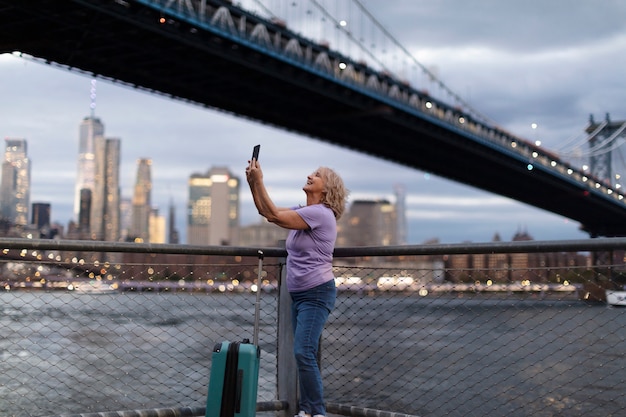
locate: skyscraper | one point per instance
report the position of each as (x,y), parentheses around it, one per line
(105,210)
(369,223)
(40,219)
(97,198)
(89,129)
(84,213)
(213,208)
(400,192)
(41,215)
(126,215)
(15,184)
(140,218)
(157,226)
(173,231)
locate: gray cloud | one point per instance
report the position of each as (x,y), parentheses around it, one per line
(550,63)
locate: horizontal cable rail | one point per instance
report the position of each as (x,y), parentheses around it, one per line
(156,412)
(174,412)
(597,244)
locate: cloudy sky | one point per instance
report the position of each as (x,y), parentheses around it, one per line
(552,63)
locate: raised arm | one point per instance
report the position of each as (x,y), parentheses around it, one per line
(283,217)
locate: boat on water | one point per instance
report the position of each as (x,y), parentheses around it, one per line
(93,287)
(616,297)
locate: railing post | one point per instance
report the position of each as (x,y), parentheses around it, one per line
(286,373)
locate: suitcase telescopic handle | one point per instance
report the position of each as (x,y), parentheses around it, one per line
(257,305)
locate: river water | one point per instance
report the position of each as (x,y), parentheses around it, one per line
(69,353)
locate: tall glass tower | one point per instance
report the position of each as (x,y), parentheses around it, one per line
(89,129)
(141,208)
(213,208)
(15,184)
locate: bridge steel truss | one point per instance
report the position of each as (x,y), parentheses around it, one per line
(603,138)
(214,54)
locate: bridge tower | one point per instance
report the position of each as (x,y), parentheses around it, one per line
(602,140)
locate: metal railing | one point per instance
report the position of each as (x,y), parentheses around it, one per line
(93,327)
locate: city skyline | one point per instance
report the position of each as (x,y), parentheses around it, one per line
(98,130)
(212,210)
(517,69)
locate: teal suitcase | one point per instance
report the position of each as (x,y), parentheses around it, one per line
(234,380)
(234,377)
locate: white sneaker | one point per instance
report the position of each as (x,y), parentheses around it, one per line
(319,415)
(302,414)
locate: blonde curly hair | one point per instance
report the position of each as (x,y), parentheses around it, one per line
(335,193)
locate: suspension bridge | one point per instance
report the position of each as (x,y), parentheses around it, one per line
(255,61)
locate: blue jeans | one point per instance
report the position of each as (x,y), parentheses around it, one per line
(310,310)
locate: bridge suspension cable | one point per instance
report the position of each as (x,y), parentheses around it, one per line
(572,144)
(607,145)
(576,146)
(281,10)
(604,148)
(426,71)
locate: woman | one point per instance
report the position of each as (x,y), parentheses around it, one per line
(310,280)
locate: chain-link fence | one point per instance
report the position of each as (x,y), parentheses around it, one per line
(125,334)
(94,332)
(477,351)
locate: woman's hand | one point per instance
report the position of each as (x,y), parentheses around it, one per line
(254,172)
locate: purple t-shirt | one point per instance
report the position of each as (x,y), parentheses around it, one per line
(310,251)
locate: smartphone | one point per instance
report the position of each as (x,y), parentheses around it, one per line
(255,152)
